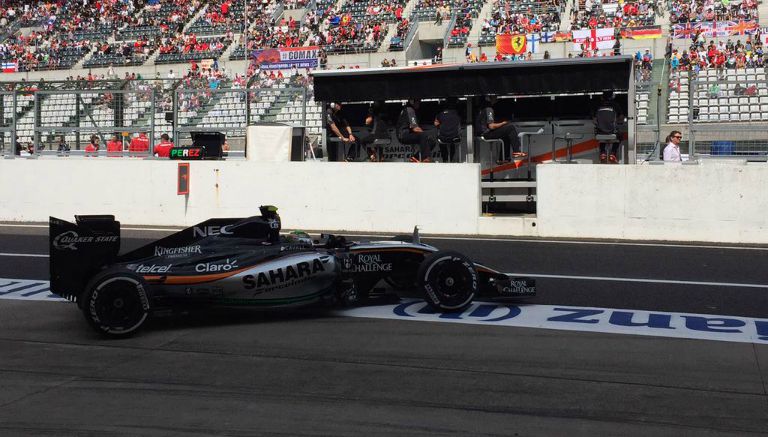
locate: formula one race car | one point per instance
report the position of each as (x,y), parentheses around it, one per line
(230,262)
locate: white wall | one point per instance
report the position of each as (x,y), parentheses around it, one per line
(709,202)
(388,197)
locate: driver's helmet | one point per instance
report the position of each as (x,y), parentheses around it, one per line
(299,237)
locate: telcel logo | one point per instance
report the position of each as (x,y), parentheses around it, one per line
(228,265)
(154,268)
(206,231)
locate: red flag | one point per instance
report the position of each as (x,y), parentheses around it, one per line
(510,44)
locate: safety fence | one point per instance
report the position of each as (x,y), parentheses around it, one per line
(66,117)
(720,113)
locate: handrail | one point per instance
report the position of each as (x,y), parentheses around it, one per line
(278,11)
(311,5)
(410,36)
(451,25)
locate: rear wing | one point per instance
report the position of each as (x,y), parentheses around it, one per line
(79,250)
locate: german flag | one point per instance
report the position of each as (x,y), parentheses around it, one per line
(641,32)
(510,44)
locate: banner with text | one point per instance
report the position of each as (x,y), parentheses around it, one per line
(594,39)
(714,29)
(281,59)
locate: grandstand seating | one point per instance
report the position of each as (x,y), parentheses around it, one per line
(186,48)
(519,18)
(159,18)
(123,54)
(716,101)
(681,11)
(602,14)
(466,12)
(360,26)
(180,31)
(219,17)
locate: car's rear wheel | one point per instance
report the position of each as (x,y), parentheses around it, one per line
(116,304)
(449,281)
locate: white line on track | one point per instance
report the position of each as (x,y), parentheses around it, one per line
(25,255)
(550,276)
(642,280)
(11,225)
(507,240)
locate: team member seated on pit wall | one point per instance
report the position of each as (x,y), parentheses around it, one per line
(339,126)
(92,149)
(376,129)
(114,146)
(672,151)
(63,147)
(139,145)
(490,129)
(409,132)
(448,126)
(163,149)
(605,118)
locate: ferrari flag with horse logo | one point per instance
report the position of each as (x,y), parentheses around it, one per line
(511,44)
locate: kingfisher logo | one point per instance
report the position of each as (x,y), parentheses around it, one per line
(176,252)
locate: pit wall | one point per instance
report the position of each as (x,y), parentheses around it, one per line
(390,197)
(709,202)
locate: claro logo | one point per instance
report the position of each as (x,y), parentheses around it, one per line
(227,265)
(478,312)
(283,275)
(206,231)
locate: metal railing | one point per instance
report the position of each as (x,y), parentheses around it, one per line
(8,111)
(65,119)
(77,116)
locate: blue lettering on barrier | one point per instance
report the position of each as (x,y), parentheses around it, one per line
(624,318)
(714,324)
(575,315)
(400,309)
(23,287)
(427,310)
(483,310)
(514,311)
(762,330)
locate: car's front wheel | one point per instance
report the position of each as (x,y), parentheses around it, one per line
(449,281)
(116,304)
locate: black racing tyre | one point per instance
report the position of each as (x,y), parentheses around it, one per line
(449,281)
(116,303)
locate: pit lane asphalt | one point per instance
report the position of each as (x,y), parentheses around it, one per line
(304,373)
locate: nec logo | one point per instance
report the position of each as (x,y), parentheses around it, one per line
(206,231)
(478,312)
